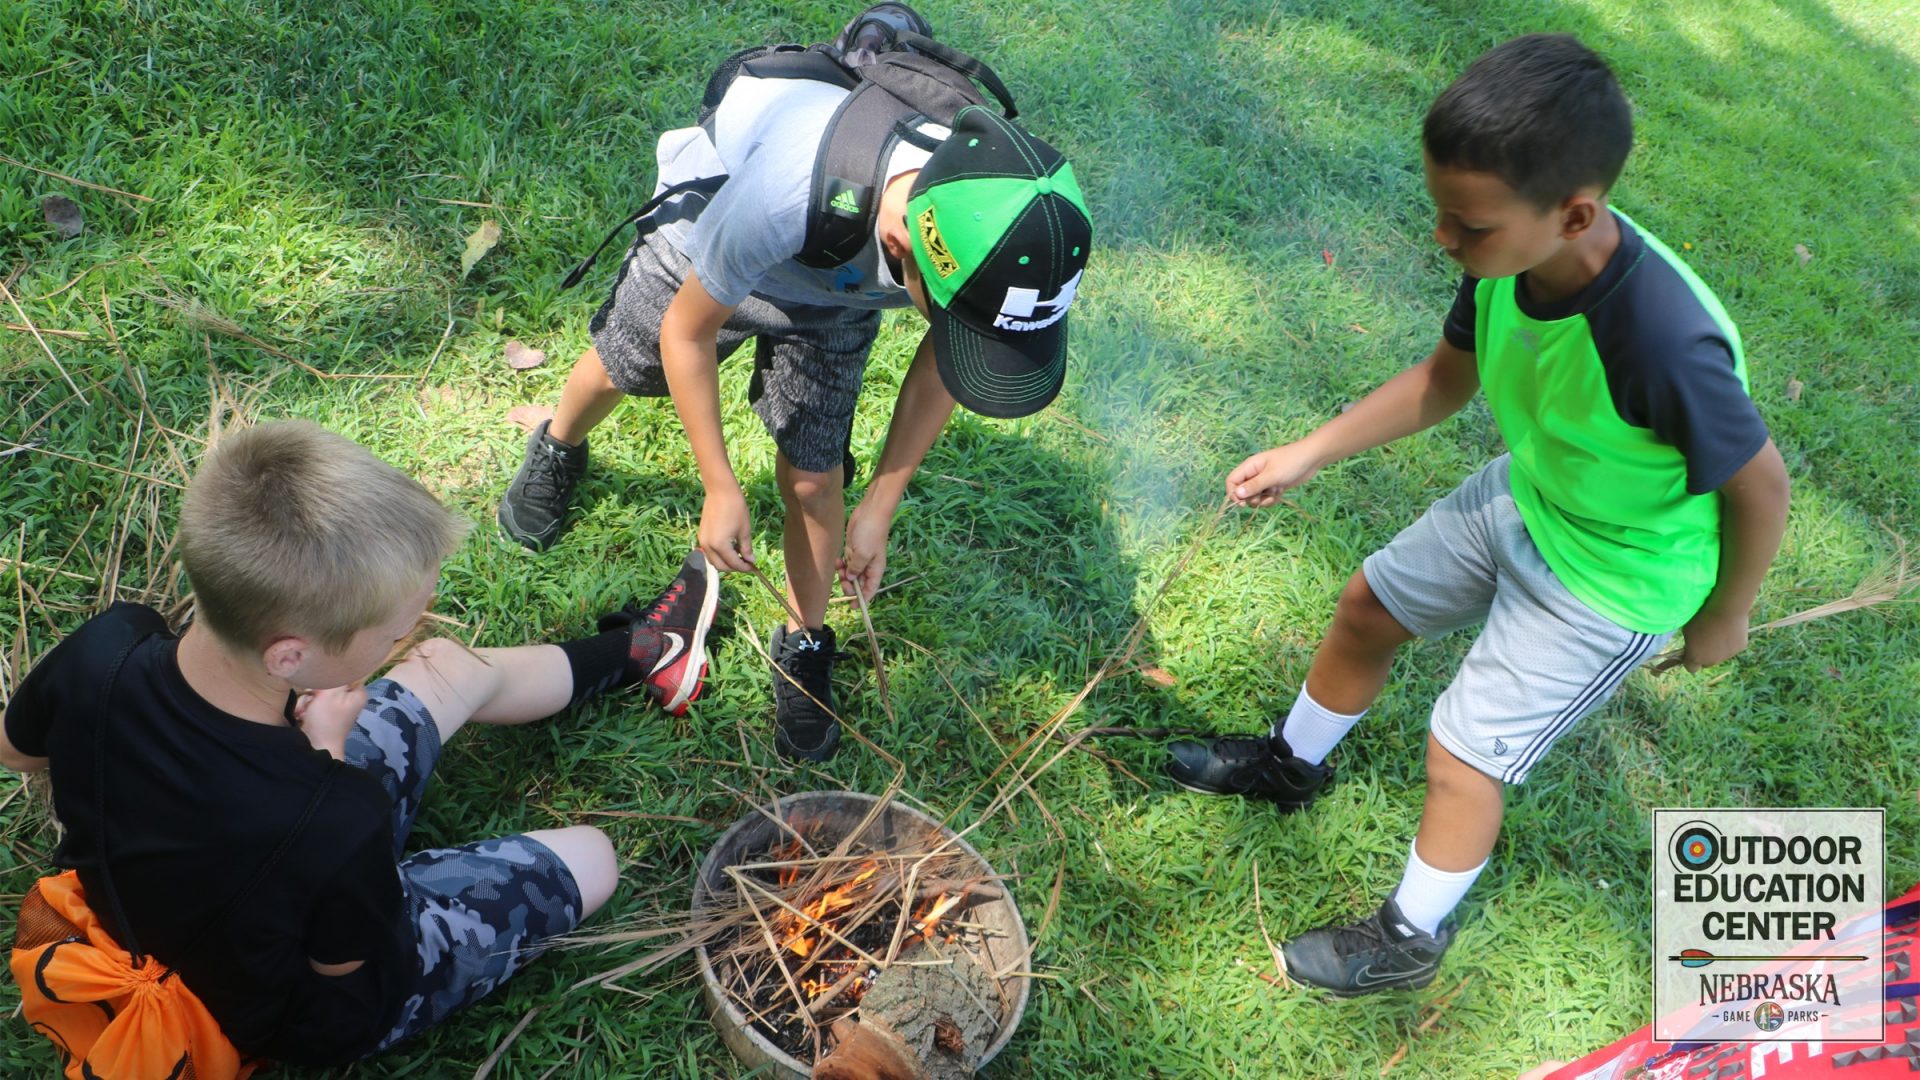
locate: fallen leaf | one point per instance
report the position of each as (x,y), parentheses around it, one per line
(1327,254)
(439,395)
(481,242)
(520,358)
(1794,389)
(1357,328)
(64,215)
(1805,256)
(1834,672)
(1159,676)
(530,416)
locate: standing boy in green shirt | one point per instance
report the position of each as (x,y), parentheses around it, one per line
(1641,495)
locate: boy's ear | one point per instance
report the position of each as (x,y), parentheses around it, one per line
(284,656)
(1578,213)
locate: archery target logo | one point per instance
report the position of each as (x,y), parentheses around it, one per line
(1696,847)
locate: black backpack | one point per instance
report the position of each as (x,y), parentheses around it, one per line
(912,80)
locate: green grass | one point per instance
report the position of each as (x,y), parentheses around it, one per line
(294,154)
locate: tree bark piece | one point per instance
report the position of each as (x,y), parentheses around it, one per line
(928,1022)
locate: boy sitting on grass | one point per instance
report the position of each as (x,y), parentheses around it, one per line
(311,560)
(1640,495)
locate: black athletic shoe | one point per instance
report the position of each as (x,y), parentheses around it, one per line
(534,510)
(667,654)
(1253,766)
(1380,952)
(802,729)
(874,29)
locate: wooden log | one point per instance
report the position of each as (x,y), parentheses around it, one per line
(930,1022)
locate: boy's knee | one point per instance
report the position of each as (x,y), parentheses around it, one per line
(1361,613)
(809,490)
(434,649)
(590,858)
(1450,776)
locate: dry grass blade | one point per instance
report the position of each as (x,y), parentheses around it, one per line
(18,164)
(48,349)
(199,316)
(1260,915)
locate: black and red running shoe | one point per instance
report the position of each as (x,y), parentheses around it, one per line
(667,654)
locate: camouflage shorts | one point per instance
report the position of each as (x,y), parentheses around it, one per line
(478,911)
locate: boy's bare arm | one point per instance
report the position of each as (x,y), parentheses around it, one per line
(1753,518)
(691,361)
(918,417)
(1414,400)
(13,758)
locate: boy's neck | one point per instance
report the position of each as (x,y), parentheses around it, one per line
(1576,264)
(227,683)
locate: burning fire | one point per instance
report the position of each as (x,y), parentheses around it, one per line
(809,934)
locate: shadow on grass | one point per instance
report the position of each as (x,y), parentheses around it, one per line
(1262,260)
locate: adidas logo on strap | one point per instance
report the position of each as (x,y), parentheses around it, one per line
(846,202)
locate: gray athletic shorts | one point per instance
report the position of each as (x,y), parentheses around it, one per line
(1544,660)
(807,362)
(478,911)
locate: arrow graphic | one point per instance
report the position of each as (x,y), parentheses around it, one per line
(1699,958)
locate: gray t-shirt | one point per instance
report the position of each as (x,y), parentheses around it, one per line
(766,135)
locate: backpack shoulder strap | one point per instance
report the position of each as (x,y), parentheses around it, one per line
(916,81)
(122,929)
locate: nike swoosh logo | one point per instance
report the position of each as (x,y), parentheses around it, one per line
(1366,977)
(675,646)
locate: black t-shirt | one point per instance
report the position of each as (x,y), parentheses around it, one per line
(197,802)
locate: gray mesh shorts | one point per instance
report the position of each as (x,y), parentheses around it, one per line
(479,911)
(807,365)
(1544,659)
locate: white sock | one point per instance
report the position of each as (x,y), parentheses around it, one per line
(1312,730)
(1426,895)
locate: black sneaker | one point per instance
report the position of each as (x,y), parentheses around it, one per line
(802,729)
(534,510)
(667,654)
(1252,766)
(1380,952)
(876,28)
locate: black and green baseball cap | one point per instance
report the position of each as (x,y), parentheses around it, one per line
(1000,232)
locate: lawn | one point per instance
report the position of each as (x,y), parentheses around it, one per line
(310,176)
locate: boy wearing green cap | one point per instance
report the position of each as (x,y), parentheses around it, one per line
(985,234)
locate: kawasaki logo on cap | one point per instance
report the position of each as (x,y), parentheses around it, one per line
(1016,311)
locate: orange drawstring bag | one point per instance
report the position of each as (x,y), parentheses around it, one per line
(115,1013)
(110,1017)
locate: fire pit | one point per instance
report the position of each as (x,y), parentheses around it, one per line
(850,921)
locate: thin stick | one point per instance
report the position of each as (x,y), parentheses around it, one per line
(494,1058)
(879,665)
(48,349)
(766,932)
(887,588)
(792,612)
(4,159)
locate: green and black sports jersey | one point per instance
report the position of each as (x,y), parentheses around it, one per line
(1625,407)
